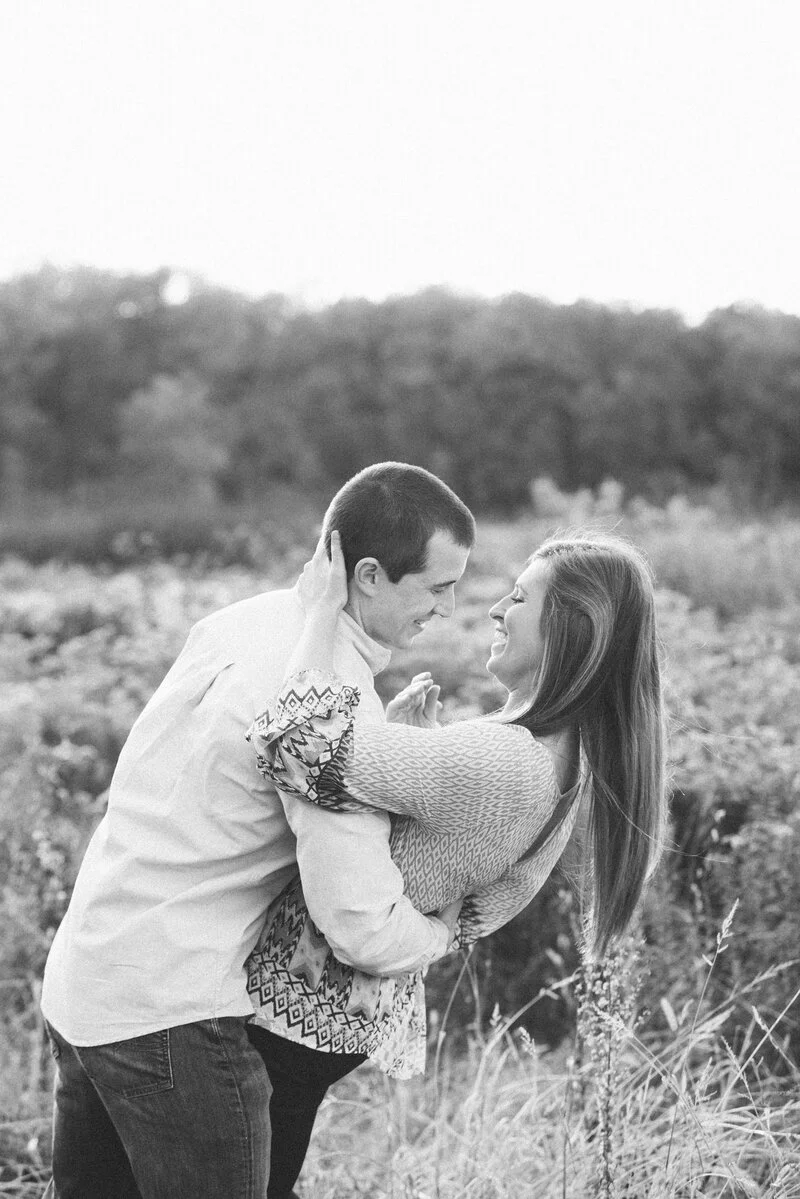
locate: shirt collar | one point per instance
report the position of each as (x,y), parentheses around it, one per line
(376,656)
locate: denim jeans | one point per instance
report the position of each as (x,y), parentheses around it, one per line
(186,1113)
(177,1114)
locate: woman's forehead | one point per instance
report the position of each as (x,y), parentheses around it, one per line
(535,574)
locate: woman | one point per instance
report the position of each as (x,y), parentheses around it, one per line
(485,807)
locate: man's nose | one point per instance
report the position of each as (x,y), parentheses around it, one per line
(446,603)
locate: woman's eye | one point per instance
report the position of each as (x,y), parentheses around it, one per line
(517,599)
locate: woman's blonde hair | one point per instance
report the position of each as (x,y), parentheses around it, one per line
(600,672)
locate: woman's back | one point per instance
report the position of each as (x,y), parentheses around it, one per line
(481,820)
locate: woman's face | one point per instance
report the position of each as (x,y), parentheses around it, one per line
(518,645)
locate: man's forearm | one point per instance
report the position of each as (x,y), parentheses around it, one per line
(354,892)
(399,942)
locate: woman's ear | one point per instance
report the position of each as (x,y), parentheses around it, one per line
(366,575)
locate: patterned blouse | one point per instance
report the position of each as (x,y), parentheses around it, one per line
(477,813)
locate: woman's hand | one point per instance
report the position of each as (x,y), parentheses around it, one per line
(323,583)
(416,704)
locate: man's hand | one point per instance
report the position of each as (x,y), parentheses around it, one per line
(416,704)
(449,916)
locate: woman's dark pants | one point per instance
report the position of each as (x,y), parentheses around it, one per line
(300,1077)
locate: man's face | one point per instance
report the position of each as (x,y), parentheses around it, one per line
(399,611)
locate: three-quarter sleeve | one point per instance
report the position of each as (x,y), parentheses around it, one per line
(446,779)
(303,740)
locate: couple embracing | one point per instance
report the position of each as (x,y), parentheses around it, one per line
(281,859)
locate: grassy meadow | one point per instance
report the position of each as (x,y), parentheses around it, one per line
(678,1076)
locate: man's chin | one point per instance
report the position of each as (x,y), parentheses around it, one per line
(403,640)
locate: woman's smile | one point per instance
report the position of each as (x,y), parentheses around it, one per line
(517,644)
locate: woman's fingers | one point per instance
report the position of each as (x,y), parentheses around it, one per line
(431,705)
(316,563)
(337,553)
(418,702)
(337,582)
(324,578)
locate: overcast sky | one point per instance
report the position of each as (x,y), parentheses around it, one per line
(637,152)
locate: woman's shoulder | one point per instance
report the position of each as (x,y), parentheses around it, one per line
(491,728)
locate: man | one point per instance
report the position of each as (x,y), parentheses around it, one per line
(162,1090)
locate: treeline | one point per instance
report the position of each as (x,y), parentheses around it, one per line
(105,379)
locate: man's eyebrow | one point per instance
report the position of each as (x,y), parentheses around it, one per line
(447,583)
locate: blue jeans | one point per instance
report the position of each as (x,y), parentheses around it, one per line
(177,1114)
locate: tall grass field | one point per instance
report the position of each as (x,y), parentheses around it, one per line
(671,1071)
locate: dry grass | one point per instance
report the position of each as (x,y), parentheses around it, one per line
(622,1117)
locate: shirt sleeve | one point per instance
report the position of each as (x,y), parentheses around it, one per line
(355,893)
(308,745)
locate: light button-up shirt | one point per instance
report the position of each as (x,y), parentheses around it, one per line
(195,844)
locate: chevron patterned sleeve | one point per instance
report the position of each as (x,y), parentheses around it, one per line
(462,776)
(303,740)
(492,906)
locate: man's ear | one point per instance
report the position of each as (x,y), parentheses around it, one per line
(367,575)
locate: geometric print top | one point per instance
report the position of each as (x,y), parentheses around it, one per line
(476,812)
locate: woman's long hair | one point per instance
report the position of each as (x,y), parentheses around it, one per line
(600,673)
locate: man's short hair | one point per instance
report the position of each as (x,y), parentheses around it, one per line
(390,511)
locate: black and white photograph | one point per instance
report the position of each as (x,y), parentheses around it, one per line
(399,600)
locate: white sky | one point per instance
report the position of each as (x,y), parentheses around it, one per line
(633,151)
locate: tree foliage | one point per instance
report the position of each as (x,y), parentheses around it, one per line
(489,394)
